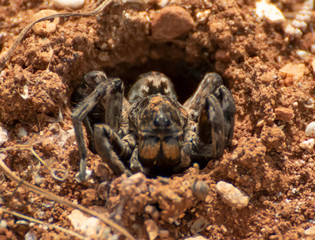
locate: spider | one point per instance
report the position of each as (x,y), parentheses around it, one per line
(149,130)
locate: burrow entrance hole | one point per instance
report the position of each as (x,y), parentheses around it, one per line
(185,75)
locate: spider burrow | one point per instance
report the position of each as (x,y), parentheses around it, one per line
(149,130)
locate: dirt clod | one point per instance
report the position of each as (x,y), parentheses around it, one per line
(284,114)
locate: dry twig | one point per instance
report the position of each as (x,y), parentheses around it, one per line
(41,222)
(29,146)
(62,201)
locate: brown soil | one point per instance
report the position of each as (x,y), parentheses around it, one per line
(265,160)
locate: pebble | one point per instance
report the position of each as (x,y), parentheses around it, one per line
(22,222)
(30,236)
(22,132)
(269,12)
(163,233)
(303,54)
(152,229)
(171,22)
(308,144)
(309,103)
(310,231)
(313,62)
(231,195)
(45,27)
(3,135)
(81,222)
(66,4)
(310,130)
(3,224)
(200,189)
(199,225)
(292,31)
(196,238)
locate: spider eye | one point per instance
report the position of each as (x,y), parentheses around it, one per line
(161,121)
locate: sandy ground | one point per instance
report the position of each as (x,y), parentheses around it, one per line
(269,72)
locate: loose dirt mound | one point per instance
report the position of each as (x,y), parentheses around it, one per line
(269,72)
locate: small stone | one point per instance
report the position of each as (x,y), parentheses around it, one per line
(164,233)
(66,4)
(103,190)
(294,70)
(22,222)
(310,231)
(200,189)
(309,103)
(231,195)
(203,16)
(310,130)
(308,144)
(38,179)
(269,12)
(171,22)
(3,224)
(21,132)
(3,135)
(162,3)
(199,225)
(303,54)
(293,32)
(152,229)
(313,62)
(30,236)
(81,222)
(45,27)
(284,114)
(196,238)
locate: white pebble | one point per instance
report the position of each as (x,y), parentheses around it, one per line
(310,231)
(196,237)
(269,12)
(3,224)
(3,135)
(292,31)
(308,144)
(162,3)
(303,54)
(64,4)
(25,94)
(86,224)
(299,24)
(232,195)
(310,130)
(45,27)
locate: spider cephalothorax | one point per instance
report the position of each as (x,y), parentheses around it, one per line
(150,131)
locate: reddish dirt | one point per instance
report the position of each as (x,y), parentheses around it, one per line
(265,160)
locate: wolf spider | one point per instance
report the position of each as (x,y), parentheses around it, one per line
(149,130)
